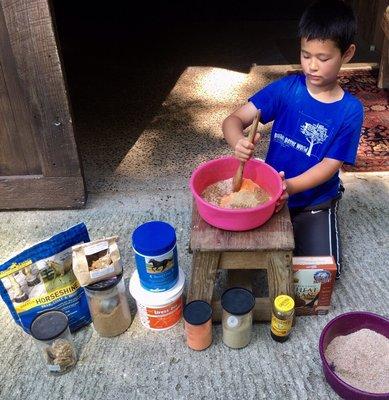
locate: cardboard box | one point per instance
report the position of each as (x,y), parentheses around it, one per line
(314,279)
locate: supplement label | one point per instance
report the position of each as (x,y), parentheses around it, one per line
(313,288)
(54,368)
(232,322)
(161,317)
(41,277)
(158,273)
(158,264)
(96,248)
(99,273)
(280,327)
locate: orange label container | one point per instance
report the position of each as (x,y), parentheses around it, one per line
(158,310)
(198,324)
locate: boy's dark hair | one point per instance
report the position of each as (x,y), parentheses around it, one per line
(329,19)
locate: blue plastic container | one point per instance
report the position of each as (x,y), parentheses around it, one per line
(155,248)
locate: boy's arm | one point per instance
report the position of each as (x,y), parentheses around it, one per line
(233,127)
(314,176)
(311,178)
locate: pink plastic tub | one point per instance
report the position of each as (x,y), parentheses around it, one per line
(235,219)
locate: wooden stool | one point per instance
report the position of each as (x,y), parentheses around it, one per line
(268,247)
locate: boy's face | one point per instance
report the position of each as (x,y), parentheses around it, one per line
(321,61)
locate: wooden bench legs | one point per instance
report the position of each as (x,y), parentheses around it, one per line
(279,275)
(206,263)
(204,267)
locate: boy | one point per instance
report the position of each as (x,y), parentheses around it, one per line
(316,128)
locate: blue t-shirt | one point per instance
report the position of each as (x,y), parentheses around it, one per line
(306,130)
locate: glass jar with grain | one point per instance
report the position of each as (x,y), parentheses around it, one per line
(108,306)
(50,330)
(237,317)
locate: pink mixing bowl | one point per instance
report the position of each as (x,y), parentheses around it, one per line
(235,219)
(345,324)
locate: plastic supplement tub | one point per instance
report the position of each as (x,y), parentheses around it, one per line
(155,248)
(158,311)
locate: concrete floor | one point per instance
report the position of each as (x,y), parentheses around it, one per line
(137,162)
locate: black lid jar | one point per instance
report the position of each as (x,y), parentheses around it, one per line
(237,306)
(108,305)
(198,324)
(51,332)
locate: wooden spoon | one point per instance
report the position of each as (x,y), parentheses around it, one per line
(237,180)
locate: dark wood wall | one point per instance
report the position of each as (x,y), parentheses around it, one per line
(369,14)
(39,164)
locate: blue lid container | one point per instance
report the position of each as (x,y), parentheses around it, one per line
(153,238)
(154,244)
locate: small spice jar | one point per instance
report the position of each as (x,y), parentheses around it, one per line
(108,306)
(51,331)
(198,324)
(282,318)
(237,317)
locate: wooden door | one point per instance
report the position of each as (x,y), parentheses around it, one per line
(369,15)
(39,163)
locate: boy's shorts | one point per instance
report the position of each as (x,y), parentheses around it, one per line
(316,230)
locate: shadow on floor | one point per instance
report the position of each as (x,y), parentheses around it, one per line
(122,64)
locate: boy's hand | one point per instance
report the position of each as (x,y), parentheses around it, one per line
(244,149)
(284,196)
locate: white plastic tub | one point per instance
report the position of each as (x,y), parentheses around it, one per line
(158,311)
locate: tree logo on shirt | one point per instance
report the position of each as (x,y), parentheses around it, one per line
(314,133)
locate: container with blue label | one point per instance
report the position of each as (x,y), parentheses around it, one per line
(155,248)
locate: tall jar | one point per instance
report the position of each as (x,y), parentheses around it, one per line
(282,318)
(198,324)
(108,306)
(51,332)
(237,317)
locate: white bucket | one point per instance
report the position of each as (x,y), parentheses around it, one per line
(158,311)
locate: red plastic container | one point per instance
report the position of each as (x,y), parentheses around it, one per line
(345,324)
(235,219)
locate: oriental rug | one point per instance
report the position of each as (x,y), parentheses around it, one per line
(373,149)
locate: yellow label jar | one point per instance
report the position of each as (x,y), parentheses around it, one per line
(282,318)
